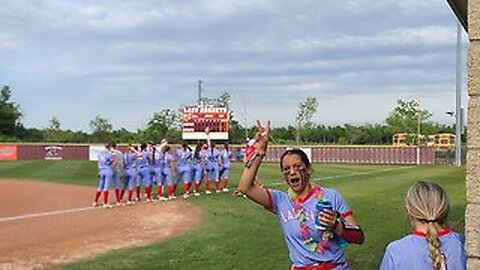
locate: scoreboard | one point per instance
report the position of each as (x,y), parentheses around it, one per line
(202,121)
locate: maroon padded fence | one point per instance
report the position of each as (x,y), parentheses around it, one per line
(53,151)
(319,154)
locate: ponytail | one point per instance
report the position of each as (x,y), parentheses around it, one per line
(434,245)
(428,203)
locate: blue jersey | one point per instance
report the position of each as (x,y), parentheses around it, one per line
(226,155)
(167,163)
(197,161)
(212,158)
(182,157)
(300,255)
(144,159)
(118,157)
(105,160)
(129,160)
(411,252)
(157,159)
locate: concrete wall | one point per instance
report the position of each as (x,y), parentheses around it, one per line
(472,214)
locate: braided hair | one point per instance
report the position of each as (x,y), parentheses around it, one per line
(428,203)
(196,154)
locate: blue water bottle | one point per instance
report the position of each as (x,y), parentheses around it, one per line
(321,205)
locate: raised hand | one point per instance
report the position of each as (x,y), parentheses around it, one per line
(261,137)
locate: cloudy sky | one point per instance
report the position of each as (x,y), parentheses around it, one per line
(125,60)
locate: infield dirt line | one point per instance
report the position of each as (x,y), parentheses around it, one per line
(49,213)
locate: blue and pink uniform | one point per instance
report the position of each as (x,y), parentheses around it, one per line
(226,156)
(167,173)
(198,169)
(183,168)
(117,172)
(411,252)
(144,172)
(213,168)
(130,173)
(156,171)
(105,174)
(286,211)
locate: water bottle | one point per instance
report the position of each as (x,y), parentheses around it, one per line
(320,206)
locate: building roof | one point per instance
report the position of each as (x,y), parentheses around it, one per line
(460,8)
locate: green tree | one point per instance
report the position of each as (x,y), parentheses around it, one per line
(236,131)
(52,132)
(30,135)
(163,125)
(404,117)
(10,113)
(101,129)
(125,136)
(303,120)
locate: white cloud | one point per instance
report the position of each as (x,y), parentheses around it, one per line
(100,56)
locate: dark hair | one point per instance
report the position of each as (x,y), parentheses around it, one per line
(299,153)
(184,145)
(197,150)
(143,146)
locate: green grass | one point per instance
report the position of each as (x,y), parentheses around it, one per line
(238,234)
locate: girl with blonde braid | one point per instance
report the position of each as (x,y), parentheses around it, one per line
(431,245)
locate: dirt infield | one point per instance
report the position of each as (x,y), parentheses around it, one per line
(43,224)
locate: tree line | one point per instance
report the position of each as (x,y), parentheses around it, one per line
(166,123)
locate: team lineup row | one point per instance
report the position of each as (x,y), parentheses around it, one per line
(151,165)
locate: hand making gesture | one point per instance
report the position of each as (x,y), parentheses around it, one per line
(261,137)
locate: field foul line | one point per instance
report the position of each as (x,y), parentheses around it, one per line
(74,210)
(345,175)
(44,214)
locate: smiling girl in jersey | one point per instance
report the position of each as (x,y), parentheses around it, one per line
(315,239)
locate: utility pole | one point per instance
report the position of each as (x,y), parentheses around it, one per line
(418,130)
(200,92)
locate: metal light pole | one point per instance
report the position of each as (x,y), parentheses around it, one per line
(458,98)
(200,92)
(418,130)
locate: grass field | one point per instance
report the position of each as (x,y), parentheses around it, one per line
(237,234)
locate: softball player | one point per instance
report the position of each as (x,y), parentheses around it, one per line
(198,168)
(144,171)
(105,175)
(168,172)
(225,157)
(431,245)
(158,165)
(151,166)
(183,156)
(117,171)
(130,173)
(213,168)
(315,236)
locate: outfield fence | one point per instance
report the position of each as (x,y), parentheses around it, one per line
(317,154)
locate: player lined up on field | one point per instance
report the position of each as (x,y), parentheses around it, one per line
(152,166)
